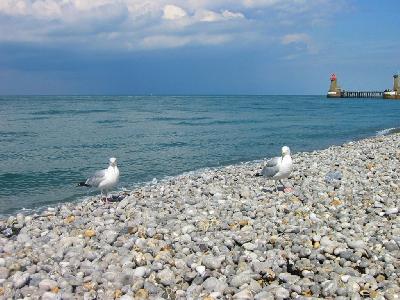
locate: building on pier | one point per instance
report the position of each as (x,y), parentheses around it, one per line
(395,93)
(334,89)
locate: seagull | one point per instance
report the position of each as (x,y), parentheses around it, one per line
(278,168)
(105,179)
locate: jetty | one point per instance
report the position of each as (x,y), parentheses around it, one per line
(336,92)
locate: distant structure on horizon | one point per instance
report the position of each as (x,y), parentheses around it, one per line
(395,93)
(336,92)
(334,89)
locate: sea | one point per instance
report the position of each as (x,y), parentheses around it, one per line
(50,143)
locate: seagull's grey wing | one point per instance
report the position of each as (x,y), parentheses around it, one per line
(273,162)
(98,177)
(270,171)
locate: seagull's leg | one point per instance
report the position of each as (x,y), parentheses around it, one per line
(106,197)
(281,183)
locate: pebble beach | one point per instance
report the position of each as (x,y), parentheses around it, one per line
(222,234)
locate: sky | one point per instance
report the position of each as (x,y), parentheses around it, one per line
(175,47)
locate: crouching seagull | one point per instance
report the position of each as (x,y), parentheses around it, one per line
(278,168)
(105,179)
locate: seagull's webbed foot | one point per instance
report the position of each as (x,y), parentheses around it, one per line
(288,189)
(104,198)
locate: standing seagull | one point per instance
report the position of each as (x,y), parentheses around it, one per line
(105,179)
(278,168)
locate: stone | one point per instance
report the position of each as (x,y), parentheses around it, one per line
(201,270)
(243,295)
(281,293)
(242,238)
(126,297)
(140,271)
(47,284)
(289,278)
(345,278)
(50,296)
(89,233)
(333,176)
(212,263)
(212,284)
(240,279)
(109,236)
(4,272)
(264,296)
(166,277)
(392,211)
(19,279)
(329,287)
(141,294)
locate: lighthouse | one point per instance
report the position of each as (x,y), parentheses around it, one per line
(395,93)
(334,89)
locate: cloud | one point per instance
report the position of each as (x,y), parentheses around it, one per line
(138,24)
(173,41)
(212,16)
(295,38)
(301,41)
(173,12)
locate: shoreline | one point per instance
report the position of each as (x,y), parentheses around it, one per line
(124,191)
(222,233)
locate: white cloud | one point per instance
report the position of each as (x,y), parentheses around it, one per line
(173,12)
(208,16)
(152,23)
(46,9)
(212,16)
(232,15)
(295,38)
(174,41)
(11,7)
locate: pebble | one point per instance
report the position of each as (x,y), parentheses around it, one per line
(166,277)
(281,293)
(213,284)
(201,270)
(329,287)
(240,279)
(4,272)
(20,279)
(50,296)
(221,234)
(140,271)
(264,296)
(212,263)
(47,284)
(243,295)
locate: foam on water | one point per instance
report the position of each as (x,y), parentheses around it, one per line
(387,131)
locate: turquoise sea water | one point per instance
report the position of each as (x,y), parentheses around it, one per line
(49,143)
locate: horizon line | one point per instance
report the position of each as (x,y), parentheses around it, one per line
(151,95)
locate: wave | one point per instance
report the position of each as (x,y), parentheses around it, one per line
(178,118)
(218,122)
(388,131)
(68,112)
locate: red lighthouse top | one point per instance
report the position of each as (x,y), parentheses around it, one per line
(333,77)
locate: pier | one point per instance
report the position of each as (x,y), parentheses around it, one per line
(361,94)
(336,92)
